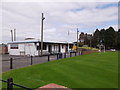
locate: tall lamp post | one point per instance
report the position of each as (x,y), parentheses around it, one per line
(77,39)
(42,34)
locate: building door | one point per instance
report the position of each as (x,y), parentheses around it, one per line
(49,48)
(59,48)
(66,48)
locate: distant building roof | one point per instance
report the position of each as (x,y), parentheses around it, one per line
(33,41)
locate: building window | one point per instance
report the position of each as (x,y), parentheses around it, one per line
(14,46)
(44,47)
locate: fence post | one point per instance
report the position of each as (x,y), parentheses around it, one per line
(9,84)
(81,52)
(75,53)
(64,55)
(31,60)
(70,54)
(48,58)
(57,56)
(11,63)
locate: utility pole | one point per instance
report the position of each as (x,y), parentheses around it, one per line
(14,34)
(77,39)
(42,34)
(11,35)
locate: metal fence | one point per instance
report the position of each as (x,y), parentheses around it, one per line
(10,84)
(13,62)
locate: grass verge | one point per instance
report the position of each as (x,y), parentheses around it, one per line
(97,70)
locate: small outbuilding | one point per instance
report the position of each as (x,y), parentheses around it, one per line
(3,49)
(33,47)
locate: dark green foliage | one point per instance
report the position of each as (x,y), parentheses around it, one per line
(118,39)
(109,37)
(102,35)
(96,37)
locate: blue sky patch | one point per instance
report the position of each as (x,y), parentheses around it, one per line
(107,6)
(77,9)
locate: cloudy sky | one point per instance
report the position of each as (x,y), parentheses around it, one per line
(60,17)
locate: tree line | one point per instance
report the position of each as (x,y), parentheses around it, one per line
(107,37)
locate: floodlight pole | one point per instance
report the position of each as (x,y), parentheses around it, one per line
(42,34)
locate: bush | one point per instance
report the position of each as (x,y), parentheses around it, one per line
(89,48)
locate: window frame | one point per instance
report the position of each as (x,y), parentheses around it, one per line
(14,46)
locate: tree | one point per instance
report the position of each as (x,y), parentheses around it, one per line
(110,38)
(107,37)
(81,38)
(102,35)
(96,38)
(118,40)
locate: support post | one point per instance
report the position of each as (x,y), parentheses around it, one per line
(70,54)
(79,52)
(9,84)
(11,63)
(57,56)
(48,58)
(31,60)
(64,55)
(75,53)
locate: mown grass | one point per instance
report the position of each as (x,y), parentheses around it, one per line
(97,70)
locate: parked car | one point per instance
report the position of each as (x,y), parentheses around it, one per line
(112,50)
